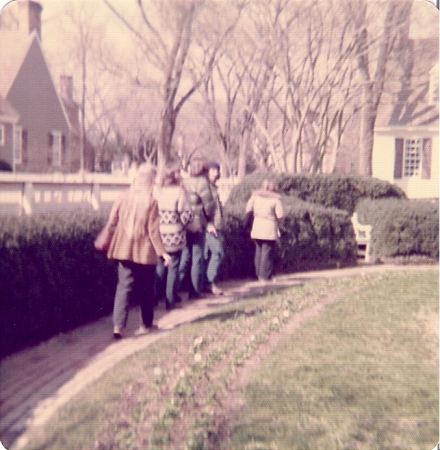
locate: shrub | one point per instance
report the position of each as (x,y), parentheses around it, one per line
(53,280)
(402,227)
(331,191)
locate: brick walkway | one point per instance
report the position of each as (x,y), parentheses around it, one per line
(37,381)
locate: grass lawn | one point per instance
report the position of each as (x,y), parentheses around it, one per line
(361,374)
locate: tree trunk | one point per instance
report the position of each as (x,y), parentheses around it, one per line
(166,132)
(366,142)
(242,156)
(396,22)
(83,113)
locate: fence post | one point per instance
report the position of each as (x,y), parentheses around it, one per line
(96,196)
(27,198)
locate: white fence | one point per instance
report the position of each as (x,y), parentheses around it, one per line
(33,193)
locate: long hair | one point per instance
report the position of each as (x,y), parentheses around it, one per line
(134,214)
(170,175)
(268,185)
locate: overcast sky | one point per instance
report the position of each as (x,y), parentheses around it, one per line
(53,7)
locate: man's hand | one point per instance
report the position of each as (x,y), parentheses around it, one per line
(210,228)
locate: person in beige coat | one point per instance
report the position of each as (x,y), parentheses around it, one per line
(267,210)
(136,245)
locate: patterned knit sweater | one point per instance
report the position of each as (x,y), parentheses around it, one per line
(174,214)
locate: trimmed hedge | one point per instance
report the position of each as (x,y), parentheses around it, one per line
(53,280)
(311,237)
(317,230)
(402,227)
(331,191)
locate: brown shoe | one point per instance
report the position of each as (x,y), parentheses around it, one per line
(117,333)
(216,290)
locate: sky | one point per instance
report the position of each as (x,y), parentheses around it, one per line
(55,6)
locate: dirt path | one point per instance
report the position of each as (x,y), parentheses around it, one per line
(36,382)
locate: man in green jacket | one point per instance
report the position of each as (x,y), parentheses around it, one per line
(214,250)
(203,209)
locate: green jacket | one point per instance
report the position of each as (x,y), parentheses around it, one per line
(218,215)
(201,201)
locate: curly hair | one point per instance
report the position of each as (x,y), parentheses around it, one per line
(197,167)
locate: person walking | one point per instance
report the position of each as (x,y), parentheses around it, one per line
(136,245)
(267,210)
(174,215)
(214,248)
(203,208)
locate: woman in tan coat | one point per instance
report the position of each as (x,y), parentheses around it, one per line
(268,210)
(136,245)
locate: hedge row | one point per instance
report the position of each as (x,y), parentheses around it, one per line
(402,227)
(331,191)
(52,278)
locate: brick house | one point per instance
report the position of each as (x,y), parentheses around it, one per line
(9,118)
(45,134)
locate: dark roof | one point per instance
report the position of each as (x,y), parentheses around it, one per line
(409,104)
(14,46)
(411,109)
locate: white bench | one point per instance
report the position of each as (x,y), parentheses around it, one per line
(363,238)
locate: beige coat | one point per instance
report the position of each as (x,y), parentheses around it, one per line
(142,250)
(267,210)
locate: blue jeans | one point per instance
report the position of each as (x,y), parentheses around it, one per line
(167,278)
(192,262)
(135,284)
(214,254)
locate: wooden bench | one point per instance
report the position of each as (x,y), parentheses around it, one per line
(363,238)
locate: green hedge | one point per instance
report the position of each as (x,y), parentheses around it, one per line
(312,236)
(331,191)
(52,278)
(402,227)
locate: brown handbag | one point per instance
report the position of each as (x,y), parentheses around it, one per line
(248,220)
(102,241)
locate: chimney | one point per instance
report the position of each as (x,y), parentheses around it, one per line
(66,87)
(30,16)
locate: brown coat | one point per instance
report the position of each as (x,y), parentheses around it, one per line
(142,250)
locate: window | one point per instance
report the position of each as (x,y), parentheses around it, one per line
(2,134)
(412,158)
(56,146)
(18,144)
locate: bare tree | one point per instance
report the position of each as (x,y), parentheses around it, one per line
(288,82)
(165,37)
(238,89)
(81,48)
(80,56)
(373,50)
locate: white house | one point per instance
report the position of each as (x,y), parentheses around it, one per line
(406,140)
